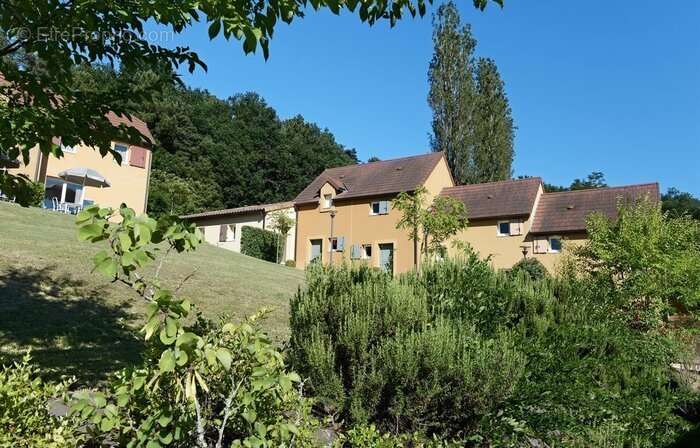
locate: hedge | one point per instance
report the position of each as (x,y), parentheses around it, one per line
(259,243)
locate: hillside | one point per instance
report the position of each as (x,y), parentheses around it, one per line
(77,323)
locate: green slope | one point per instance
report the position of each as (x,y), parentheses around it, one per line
(78,323)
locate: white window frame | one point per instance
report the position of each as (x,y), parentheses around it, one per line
(69,149)
(498,228)
(231,233)
(363,251)
(125,157)
(379,207)
(549,241)
(327,201)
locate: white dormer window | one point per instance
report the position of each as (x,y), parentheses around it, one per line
(124,151)
(327,201)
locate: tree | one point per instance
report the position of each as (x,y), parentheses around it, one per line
(282,223)
(679,203)
(39,105)
(442,219)
(472,122)
(493,126)
(594,180)
(373,159)
(452,91)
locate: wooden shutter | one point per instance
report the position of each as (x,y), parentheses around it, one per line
(138,157)
(541,245)
(516,227)
(222,232)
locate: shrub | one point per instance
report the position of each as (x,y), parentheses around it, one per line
(25,400)
(458,350)
(532,267)
(30,194)
(259,243)
(290,263)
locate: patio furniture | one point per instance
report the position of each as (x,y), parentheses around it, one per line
(87,177)
(58,206)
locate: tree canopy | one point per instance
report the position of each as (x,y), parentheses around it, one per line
(42,103)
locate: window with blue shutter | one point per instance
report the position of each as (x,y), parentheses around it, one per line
(341,243)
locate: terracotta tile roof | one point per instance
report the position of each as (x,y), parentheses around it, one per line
(497,199)
(567,211)
(373,179)
(261,208)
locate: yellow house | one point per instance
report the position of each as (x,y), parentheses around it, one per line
(345,214)
(124,183)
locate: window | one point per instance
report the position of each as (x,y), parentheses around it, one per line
(337,244)
(69,149)
(503,228)
(379,208)
(366,252)
(232,232)
(554,244)
(316,251)
(124,151)
(327,200)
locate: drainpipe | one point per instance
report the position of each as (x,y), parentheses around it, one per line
(331,238)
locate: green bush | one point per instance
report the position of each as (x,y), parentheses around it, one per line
(25,401)
(532,267)
(259,243)
(290,263)
(30,194)
(458,350)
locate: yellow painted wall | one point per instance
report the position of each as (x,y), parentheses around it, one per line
(129,184)
(354,221)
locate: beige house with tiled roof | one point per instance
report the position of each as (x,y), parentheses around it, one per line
(222,228)
(125,183)
(345,214)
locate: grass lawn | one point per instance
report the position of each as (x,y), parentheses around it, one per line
(78,323)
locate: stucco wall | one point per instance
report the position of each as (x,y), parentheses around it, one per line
(259,220)
(357,225)
(129,184)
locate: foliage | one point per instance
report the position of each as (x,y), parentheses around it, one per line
(376,350)
(281,223)
(369,436)
(259,243)
(532,267)
(442,219)
(41,102)
(458,350)
(169,194)
(290,263)
(202,384)
(472,122)
(679,203)
(648,261)
(25,401)
(30,194)
(594,180)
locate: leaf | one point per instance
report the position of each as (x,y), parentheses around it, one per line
(89,232)
(224,357)
(125,241)
(250,415)
(108,267)
(106,425)
(167,361)
(214,29)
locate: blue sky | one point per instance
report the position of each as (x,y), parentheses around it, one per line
(594,85)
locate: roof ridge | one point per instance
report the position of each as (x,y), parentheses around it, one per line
(496,182)
(617,187)
(432,153)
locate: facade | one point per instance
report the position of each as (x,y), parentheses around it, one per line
(222,228)
(345,214)
(128,181)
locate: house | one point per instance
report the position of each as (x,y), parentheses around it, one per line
(223,227)
(123,183)
(345,214)
(515,218)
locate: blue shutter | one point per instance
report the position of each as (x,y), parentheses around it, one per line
(341,243)
(355,251)
(383,207)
